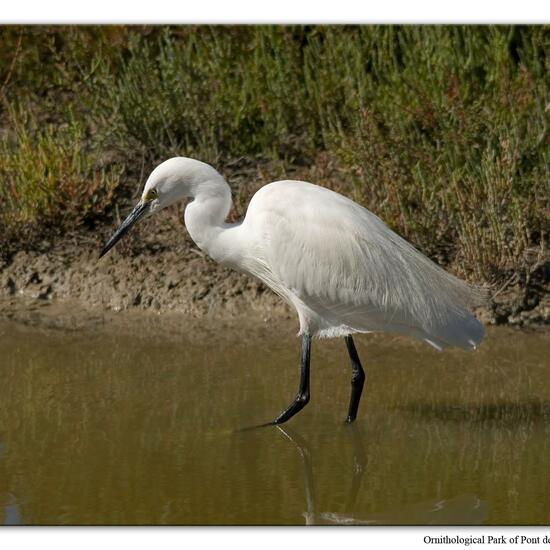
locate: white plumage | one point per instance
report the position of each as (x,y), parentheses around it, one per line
(340,266)
(345,271)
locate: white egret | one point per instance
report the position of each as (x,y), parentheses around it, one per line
(335,262)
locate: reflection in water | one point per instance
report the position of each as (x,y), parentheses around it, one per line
(12,514)
(312,517)
(124,425)
(501,411)
(461,510)
(11,510)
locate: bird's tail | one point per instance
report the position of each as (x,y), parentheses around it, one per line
(463,331)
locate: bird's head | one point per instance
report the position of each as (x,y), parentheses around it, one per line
(168,183)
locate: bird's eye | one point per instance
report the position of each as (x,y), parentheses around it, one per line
(151,194)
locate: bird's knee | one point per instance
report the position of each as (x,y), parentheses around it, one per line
(358,378)
(303,399)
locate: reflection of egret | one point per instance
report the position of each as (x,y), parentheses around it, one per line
(460,510)
(335,262)
(359,458)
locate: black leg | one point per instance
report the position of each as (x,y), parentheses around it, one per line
(302,399)
(357,379)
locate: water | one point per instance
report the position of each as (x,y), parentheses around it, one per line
(139,424)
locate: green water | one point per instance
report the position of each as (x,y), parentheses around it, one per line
(140,425)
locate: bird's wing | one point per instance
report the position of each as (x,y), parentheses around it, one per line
(350,267)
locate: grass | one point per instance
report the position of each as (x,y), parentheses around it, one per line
(49,177)
(442,131)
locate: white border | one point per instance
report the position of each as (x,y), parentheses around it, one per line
(279,11)
(227,538)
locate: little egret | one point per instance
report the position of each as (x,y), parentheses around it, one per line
(335,262)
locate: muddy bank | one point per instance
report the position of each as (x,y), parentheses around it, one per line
(158,268)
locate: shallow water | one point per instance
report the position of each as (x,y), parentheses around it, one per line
(133,425)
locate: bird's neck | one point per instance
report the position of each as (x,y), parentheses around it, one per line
(205,215)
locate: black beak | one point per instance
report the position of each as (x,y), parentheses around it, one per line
(137,213)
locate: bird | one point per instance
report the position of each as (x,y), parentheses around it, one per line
(335,262)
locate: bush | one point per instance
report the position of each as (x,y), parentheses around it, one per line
(50,177)
(441,130)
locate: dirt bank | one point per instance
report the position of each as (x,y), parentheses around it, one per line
(158,268)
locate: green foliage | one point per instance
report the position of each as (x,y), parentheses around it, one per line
(49,177)
(443,131)
(217,92)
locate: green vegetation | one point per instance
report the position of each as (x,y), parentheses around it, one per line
(49,177)
(442,131)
